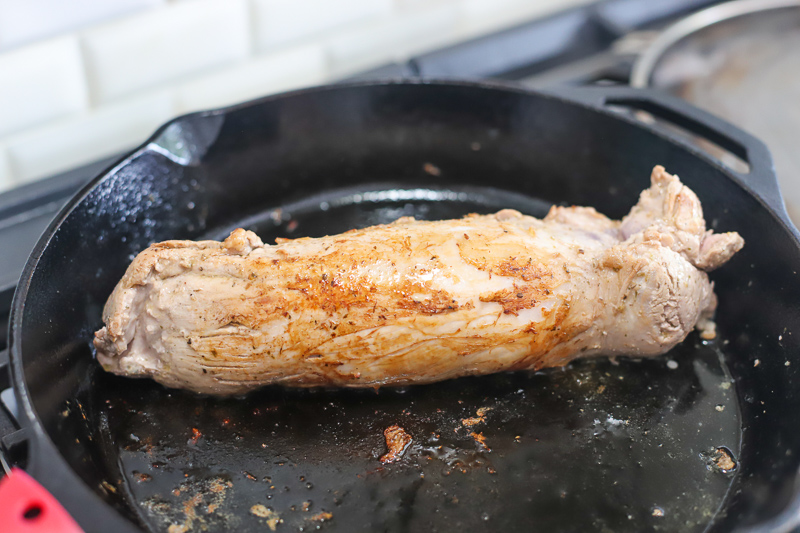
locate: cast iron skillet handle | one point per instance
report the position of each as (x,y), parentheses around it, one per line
(26,506)
(760,180)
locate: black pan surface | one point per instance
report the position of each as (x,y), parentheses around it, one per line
(701,438)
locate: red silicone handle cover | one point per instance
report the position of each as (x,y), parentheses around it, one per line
(26,507)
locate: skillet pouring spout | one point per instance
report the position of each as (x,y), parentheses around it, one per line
(416,302)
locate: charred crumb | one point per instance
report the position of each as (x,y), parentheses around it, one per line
(432,169)
(720,459)
(272,518)
(141,477)
(201,505)
(471,421)
(321,517)
(724,459)
(397,441)
(478,419)
(480,439)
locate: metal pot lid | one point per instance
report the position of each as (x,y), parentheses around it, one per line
(740,61)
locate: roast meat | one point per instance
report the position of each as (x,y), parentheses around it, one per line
(415,301)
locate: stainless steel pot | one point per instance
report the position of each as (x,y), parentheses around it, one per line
(741,61)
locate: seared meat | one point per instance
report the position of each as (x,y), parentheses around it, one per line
(416,302)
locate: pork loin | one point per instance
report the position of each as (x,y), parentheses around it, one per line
(415,301)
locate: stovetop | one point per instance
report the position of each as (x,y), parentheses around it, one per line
(592,44)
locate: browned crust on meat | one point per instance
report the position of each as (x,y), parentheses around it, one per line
(434,302)
(527,271)
(514,301)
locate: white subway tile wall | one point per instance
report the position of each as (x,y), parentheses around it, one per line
(40,83)
(5,166)
(480,15)
(89,136)
(278,22)
(85,79)
(23,21)
(285,69)
(163,45)
(391,38)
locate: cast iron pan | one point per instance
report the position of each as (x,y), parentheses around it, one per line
(704,438)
